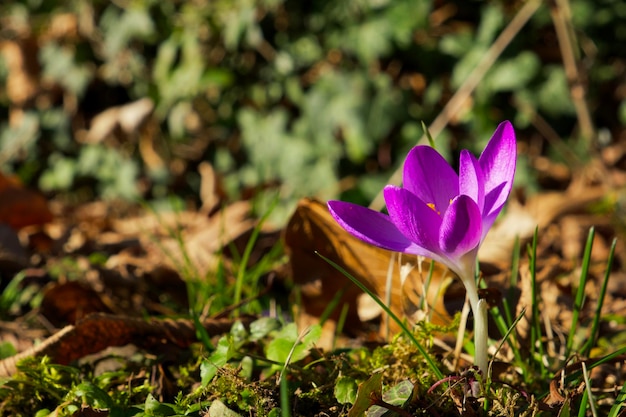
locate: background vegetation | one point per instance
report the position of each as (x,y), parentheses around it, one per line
(300,98)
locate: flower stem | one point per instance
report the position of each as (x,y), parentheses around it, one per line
(479,310)
(480,336)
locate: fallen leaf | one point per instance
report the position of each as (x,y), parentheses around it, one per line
(13,256)
(211,192)
(521,220)
(99,331)
(21,207)
(127,117)
(23,69)
(312,230)
(70,301)
(186,241)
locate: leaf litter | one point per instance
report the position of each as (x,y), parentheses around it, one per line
(100,276)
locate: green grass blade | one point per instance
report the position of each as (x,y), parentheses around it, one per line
(611,357)
(536,345)
(241,271)
(582,408)
(341,322)
(580,293)
(202,334)
(608,358)
(405,330)
(509,300)
(11,292)
(507,332)
(595,327)
(431,141)
(429,278)
(332,305)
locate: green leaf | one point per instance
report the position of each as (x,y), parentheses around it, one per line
(553,95)
(398,395)
(59,64)
(223,353)
(91,395)
(363,398)
(121,27)
(239,334)
(219,409)
(153,408)
(345,390)
(7,349)
(514,73)
(287,339)
(262,327)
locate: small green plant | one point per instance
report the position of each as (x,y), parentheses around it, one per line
(41,387)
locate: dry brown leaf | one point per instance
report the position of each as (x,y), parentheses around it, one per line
(99,331)
(128,118)
(211,192)
(21,207)
(13,257)
(540,210)
(188,240)
(201,244)
(559,394)
(70,301)
(311,229)
(23,78)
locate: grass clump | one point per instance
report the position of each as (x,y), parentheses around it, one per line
(42,387)
(271,367)
(240,393)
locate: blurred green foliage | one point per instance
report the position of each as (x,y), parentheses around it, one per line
(282,96)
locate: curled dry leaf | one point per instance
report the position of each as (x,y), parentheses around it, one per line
(99,331)
(69,301)
(21,207)
(128,118)
(23,69)
(539,211)
(211,190)
(312,230)
(188,240)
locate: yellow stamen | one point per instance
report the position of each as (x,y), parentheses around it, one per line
(432,206)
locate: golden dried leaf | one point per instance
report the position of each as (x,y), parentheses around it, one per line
(187,240)
(311,229)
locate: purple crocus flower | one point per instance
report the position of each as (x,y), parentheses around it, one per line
(437,213)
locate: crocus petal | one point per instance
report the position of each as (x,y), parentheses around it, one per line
(471,178)
(414,219)
(498,164)
(461,229)
(429,176)
(370,226)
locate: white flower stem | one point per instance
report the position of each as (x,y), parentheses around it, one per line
(479,310)
(480,336)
